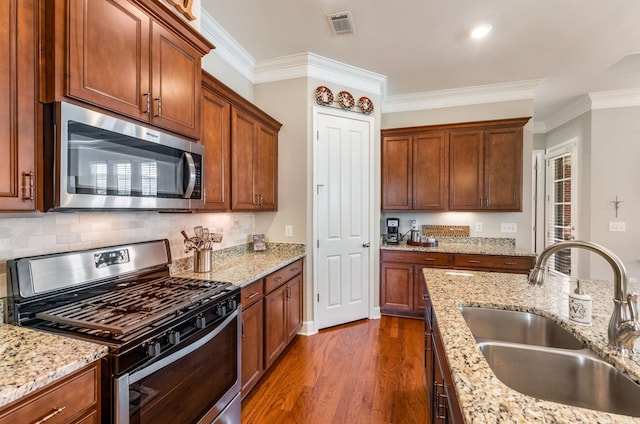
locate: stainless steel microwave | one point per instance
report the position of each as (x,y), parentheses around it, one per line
(95,161)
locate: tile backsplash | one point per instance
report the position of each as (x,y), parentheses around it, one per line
(37,234)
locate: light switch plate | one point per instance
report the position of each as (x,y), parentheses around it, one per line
(508,227)
(288,230)
(618,226)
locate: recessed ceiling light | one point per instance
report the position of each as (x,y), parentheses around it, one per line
(481,31)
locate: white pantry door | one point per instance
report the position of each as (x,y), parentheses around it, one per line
(343,218)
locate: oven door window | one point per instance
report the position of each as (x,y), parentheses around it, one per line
(187,389)
(105,163)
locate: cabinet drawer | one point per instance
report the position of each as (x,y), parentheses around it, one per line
(276,279)
(495,263)
(427,259)
(252,293)
(60,403)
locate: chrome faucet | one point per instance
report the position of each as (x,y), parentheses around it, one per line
(624,327)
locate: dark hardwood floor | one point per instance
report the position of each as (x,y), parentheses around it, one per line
(370,371)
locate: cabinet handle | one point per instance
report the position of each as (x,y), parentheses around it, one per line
(54,412)
(511,263)
(148,102)
(481,201)
(256,200)
(430,259)
(30,176)
(277,279)
(252,295)
(159,100)
(425,296)
(289,292)
(399,257)
(243,329)
(473,261)
(486,202)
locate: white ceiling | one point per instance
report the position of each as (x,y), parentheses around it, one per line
(574,46)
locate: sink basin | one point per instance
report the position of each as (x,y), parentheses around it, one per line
(571,377)
(517,327)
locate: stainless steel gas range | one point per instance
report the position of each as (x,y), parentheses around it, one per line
(174,343)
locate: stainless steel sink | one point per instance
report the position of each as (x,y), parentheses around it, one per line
(517,327)
(571,377)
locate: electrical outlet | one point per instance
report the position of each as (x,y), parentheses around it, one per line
(617,226)
(414,224)
(508,227)
(479,227)
(288,230)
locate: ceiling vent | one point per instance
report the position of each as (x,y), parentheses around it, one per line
(340,23)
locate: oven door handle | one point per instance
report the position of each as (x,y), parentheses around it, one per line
(123,382)
(190,174)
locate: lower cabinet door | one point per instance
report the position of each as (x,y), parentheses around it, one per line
(252,346)
(294,307)
(275,324)
(396,287)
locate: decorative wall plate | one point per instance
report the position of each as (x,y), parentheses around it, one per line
(324,96)
(345,100)
(366,105)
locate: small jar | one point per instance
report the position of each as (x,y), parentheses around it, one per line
(580,306)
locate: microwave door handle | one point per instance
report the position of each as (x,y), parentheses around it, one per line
(191,166)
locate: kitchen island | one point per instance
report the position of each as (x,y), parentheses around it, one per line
(481,396)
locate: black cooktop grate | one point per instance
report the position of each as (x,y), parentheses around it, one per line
(136,305)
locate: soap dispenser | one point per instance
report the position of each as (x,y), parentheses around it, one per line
(580,306)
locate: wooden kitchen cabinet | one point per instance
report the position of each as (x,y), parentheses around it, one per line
(241,141)
(271,318)
(414,170)
(283,314)
(457,167)
(402,283)
(254,163)
(135,58)
(73,399)
(252,335)
(216,138)
(486,168)
(18,118)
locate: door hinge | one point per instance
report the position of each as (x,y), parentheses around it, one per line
(318,135)
(318,244)
(318,296)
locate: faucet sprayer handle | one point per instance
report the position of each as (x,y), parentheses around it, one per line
(632,300)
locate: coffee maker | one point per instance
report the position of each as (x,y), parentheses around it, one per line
(393,226)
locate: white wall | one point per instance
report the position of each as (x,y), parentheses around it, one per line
(615,171)
(491,221)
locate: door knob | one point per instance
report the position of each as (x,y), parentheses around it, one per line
(366,245)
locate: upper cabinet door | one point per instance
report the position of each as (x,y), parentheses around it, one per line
(430,171)
(397,180)
(18,175)
(109,56)
(503,169)
(244,130)
(466,170)
(216,138)
(176,76)
(266,177)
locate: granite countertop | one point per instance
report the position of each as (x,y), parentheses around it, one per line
(31,359)
(464,248)
(485,399)
(244,267)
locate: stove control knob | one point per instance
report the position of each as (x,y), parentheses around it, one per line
(221,310)
(201,322)
(174,337)
(232,304)
(153,349)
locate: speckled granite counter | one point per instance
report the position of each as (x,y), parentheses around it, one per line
(31,359)
(483,398)
(244,266)
(478,248)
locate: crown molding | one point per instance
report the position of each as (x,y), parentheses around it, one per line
(227,47)
(614,99)
(312,65)
(492,93)
(580,106)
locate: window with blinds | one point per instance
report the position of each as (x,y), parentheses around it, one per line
(560,225)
